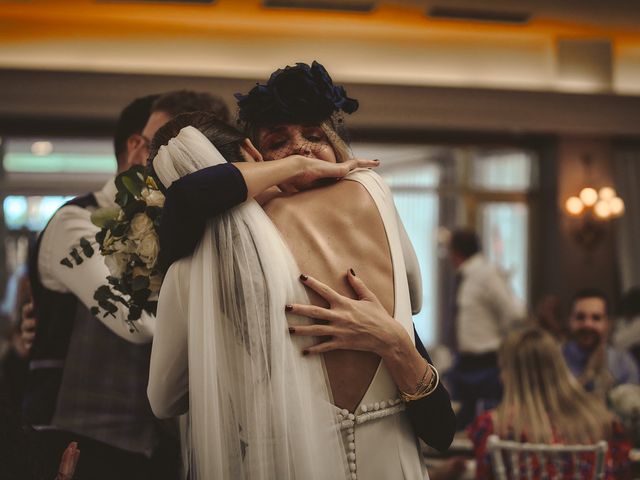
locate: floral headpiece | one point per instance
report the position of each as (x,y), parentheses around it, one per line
(300,94)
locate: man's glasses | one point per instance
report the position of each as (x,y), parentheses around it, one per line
(147,142)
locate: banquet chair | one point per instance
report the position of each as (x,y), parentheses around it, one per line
(515,461)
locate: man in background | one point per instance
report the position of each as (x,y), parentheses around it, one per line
(88,375)
(597,365)
(485,309)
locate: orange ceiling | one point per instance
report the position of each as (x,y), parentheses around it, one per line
(41,19)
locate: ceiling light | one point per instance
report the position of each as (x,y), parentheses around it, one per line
(41,149)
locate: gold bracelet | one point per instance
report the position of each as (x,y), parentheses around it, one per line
(424,375)
(423,390)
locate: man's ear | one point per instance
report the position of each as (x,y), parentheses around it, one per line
(249,152)
(133,142)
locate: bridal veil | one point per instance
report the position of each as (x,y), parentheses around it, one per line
(258,409)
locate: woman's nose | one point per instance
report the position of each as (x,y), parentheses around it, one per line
(303,148)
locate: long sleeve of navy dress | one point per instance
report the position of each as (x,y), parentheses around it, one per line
(194,198)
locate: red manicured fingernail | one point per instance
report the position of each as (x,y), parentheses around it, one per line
(303,277)
(305,352)
(288,308)
(292,330)
(352,272)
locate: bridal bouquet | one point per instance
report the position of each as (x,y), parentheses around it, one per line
(128,239)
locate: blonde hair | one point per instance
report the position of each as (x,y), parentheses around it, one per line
(542,400)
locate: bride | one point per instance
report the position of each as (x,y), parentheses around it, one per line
(258,409)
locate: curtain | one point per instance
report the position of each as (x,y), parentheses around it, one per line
(627,173)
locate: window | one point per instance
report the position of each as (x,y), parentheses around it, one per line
(78,156)
(505,228)
(413,175)
(439,186)
(502,178)
(30,212)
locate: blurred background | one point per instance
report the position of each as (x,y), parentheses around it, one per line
(488,114)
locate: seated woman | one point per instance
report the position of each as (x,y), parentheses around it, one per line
(374,424)
(543,403)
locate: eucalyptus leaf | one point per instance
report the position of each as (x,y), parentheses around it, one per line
(103,215)
(100,236)
(132,186)
(135,312)
(120,229)
(122,198)
(103,292)
(86,247)
(108,307)
(76,256)
(66,262)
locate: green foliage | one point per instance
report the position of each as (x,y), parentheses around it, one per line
(132,286)
(66,262)
(76,256)
(102,216)
(86,247)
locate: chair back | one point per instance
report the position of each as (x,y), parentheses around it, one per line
(532,461)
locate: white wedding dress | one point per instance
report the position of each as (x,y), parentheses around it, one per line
(221,351)
(379,440)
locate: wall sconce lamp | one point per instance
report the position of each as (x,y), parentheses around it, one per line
(603,204)
(593,207)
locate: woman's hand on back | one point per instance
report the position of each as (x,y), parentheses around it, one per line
(361,324)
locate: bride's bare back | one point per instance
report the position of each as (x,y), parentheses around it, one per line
(330,230)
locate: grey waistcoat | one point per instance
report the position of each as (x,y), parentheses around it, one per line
(103,393)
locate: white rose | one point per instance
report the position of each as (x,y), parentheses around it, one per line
(116,263)
(148,248)
(153,198)
(140,226)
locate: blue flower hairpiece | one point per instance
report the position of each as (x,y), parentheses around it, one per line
(299,94)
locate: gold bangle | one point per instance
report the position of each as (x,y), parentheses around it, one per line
(423,390)
(424,375)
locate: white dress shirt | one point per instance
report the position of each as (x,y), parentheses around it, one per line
(64,231)
(487,307)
